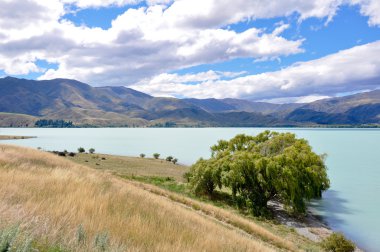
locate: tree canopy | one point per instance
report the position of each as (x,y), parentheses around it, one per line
(256,169)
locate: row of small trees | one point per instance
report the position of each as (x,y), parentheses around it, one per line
(83,150)
(142,155)
(157,156)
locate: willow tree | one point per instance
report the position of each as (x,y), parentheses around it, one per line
(257,169)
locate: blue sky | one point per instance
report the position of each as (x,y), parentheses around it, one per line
(286,52)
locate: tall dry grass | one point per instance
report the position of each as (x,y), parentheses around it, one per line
(55,201)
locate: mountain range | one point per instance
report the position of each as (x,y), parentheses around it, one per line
(23,102)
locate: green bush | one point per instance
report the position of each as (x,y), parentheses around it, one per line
(142,155)
(102,241)
(337,243)
(169,158)
(81,150)
(91,150)
(204,178)
(81,234)
(156,155)
(174,160)
(7,238)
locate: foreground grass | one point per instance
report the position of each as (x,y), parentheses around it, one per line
(62,206)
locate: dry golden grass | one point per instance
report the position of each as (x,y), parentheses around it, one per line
(272,232)
(222,215)
(50,197)
(129,166)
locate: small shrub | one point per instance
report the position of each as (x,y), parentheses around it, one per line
(65,151)
(103,158)
(91,150)
(81,235)
(7,238)
(25,246)
(142,155)
(169,158)
(102,241)
(72,154)
(337,243)
(61,154)
(174,160)
(81,150)
(156,155)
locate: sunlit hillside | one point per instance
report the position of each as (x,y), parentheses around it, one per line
(55,203)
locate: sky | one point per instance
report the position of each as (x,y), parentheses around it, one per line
(262,50)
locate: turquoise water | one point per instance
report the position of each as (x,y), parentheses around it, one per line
(351,206)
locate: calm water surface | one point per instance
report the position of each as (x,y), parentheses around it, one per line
(351,206)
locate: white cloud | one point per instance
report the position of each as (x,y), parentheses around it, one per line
(191,78)
(357,68)
(370,8)
(83,4)
(141,43)
(300,99)
(166,35)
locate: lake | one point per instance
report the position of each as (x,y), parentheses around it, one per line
(351,206)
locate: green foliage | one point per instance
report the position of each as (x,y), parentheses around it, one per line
(81,235)
(337,243)
(167,183)
(142,155)
(81,150)
(187,176)
(260,168)
(11,240)
(7,238)
(169,158)
(43,123)
(91,150)
(205,176)
(156,155)
(174,160)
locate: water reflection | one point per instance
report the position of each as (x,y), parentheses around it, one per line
(331,208)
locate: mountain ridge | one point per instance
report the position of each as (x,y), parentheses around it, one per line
(121,106)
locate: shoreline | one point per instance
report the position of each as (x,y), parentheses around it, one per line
(7,137)
(311,226)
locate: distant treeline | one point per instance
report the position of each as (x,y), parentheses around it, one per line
(163,125)
(45,123)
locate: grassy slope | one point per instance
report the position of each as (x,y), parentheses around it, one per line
(158,172)
(51,197)
(16,120)
(131,166)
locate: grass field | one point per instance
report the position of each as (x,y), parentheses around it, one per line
(53,204)
(170,177)
(132,166)
(59,204)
